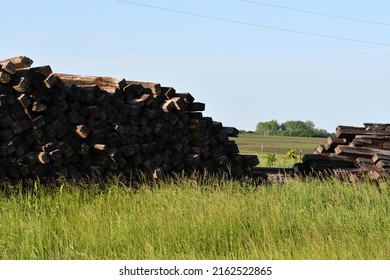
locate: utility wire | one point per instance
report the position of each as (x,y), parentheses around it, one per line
(316,13)
(251,24)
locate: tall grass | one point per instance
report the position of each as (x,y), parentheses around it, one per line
(190,218)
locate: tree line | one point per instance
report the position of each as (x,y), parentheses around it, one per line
(290,128)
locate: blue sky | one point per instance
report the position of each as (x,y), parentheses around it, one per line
(244,74)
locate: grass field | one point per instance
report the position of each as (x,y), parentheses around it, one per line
(200,217)
(189,218)
(260,145)
(253,143)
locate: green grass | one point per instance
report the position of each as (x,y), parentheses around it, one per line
(252,143)
(260,145)
(189,218)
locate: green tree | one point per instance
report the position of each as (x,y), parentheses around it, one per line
(291,128)
(310,124)
(297,128)
(302,129)
(321,133)
(268,128)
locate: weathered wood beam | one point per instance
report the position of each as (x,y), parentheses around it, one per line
(154,87)
(86,81)
(19,61)
(350,132)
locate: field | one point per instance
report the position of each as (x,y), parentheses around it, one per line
(198,218)
(261,146)
(253,143)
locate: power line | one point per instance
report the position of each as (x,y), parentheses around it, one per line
(252,24)
(316,13)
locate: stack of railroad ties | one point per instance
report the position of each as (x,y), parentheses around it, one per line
(353,152)
(67,125)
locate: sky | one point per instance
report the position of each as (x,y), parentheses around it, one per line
(235,56)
